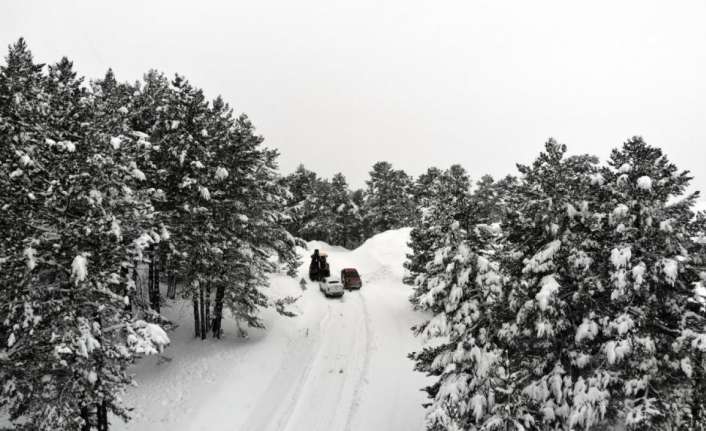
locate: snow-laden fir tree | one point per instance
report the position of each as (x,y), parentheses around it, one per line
(488,201)
(330,213)
(388,199)
(177,158)
(421,189)
(301,185)
(256,243)
(448,201)
(548,250)
(316,213)
(596,323)
(347,219)
(651,338)
(420,241)
(71,225)
(218,193)
(464,287)
(322,209)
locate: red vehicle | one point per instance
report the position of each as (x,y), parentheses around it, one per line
(351,279)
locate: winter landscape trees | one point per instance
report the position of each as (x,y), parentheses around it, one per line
(566,298)
(580,311)
(73,214)
(97,181)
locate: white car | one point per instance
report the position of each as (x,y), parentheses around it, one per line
(332,288)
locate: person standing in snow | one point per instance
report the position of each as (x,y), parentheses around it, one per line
(316,259)
(315,266)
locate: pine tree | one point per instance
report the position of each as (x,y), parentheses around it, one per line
(447,202)
(421,190)
(67,335)
(322,209)
(593,321)
(388,200)
(301,184)
(256,203)
(548,248)
(344,213)
(219,201)
(652,341)
(420,241)
(316,213)
(469,367)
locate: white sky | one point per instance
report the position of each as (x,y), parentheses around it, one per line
(341,85)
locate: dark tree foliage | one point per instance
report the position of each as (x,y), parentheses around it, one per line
(99,183)
(71,217)
(577,312)
(389,200)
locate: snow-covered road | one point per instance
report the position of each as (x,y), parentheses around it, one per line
(340,365)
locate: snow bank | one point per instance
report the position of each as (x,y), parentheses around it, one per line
(385,253)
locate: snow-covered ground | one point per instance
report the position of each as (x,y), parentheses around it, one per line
(340,365)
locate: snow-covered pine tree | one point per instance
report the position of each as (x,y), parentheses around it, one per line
(358,200)
(447,202)
(651,341)
(333,216)
(420,242)
(548,318)
(151,119)
(301,185)
(388,199)
(322,209)
(421,189)
(597,325)
(255,203)
(114,107)
(220,212)
(601,332)
(316,214)
(488,202)
(517,322)
(464,288)
(346,214)
(67,336)
(178,160)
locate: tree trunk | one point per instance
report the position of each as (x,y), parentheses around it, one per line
(150,273)
(157,276)
(218,310)
(166,263)
(208,306)
(125,273)
(203,313)
(171,283)
(698,391)
(135,280)
(197,324)
(102,414)
(86,416)
(153,278)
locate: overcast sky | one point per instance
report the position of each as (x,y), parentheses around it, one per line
(340,85)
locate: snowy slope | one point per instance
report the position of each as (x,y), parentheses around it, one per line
(340,365)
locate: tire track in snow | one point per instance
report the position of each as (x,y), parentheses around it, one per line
(275,406)
(363,378)
(326,400)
